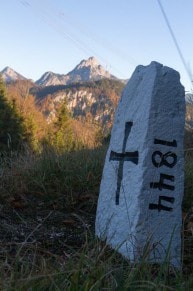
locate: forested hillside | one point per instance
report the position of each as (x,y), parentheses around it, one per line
(90,107)
(91,101)
(86,108)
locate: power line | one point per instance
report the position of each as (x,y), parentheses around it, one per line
(51,18)
(175,41)
(55,19)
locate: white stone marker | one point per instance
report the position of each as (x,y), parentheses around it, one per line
(143,178)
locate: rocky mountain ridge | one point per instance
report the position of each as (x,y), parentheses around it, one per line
(86,70)
(94,100)
(10,75)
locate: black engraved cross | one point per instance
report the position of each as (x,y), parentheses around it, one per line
(122,157)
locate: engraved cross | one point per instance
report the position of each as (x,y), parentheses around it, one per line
(123,157)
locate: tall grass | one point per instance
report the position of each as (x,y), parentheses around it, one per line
(51,176)
(188,189)
(72,180)
(93,267)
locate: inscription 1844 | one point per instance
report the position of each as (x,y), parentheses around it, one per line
(159,159)
(169,160)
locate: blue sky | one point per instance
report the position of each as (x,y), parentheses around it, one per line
(55,35)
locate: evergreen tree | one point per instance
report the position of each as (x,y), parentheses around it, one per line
(11,129)
(34,124)
(62,137)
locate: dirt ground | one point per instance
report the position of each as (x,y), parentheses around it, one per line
(46,226)
(50,228)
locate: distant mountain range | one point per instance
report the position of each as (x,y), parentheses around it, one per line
(78,87)
(86,70)
(90,91)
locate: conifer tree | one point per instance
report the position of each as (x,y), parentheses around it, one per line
(34,123)
(62,136)
(11,130)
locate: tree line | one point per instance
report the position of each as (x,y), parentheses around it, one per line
(23,125)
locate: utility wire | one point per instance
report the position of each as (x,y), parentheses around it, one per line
(53,21)
(175,41)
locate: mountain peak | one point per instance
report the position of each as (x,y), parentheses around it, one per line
(87,70)
(91,62)
(50,78)
(7,69)
(10,75)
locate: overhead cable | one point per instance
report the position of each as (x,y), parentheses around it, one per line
(175,41)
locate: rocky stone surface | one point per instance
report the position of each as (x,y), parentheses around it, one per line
(139,206)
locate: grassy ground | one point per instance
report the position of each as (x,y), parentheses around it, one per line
(47,241)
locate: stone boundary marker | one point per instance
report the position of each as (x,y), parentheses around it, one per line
(142,186)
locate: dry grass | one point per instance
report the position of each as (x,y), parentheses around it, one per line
(42,194)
